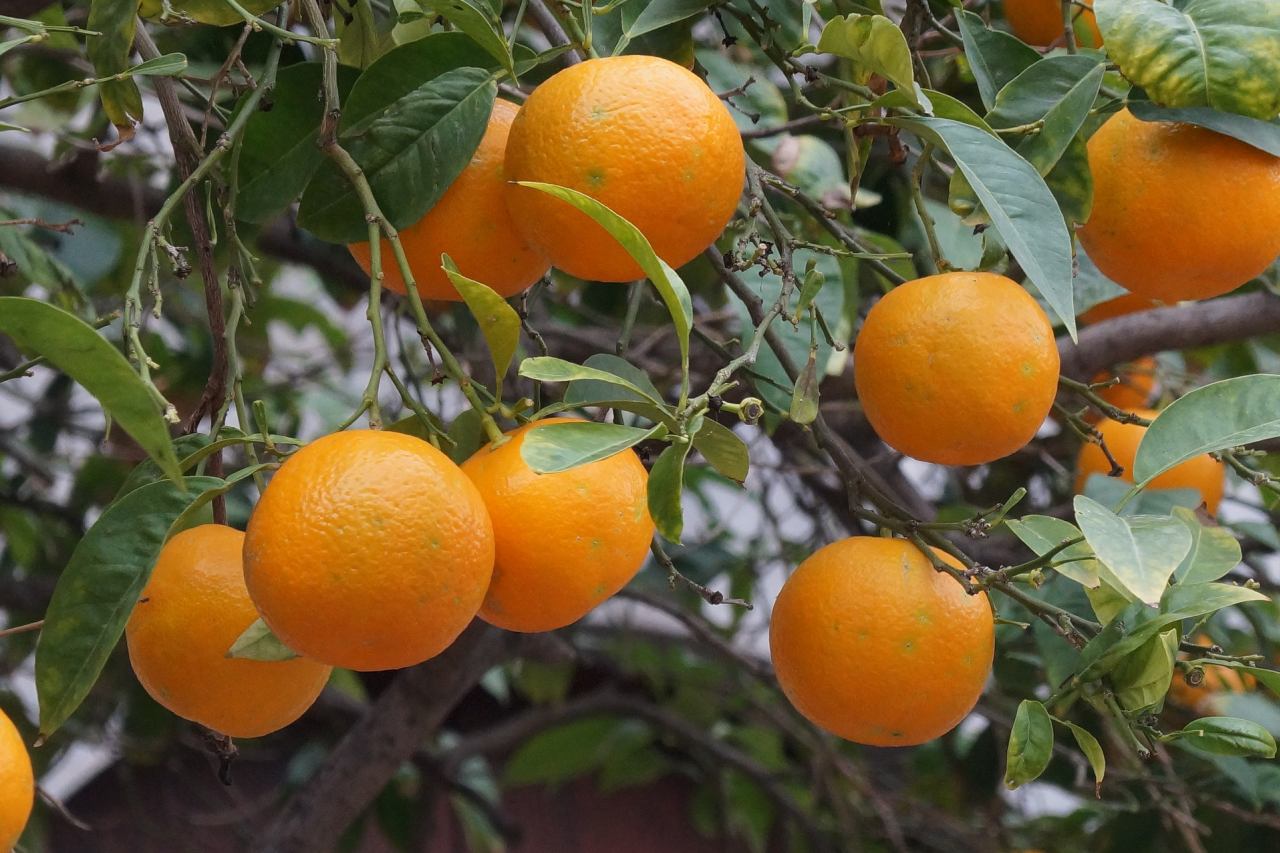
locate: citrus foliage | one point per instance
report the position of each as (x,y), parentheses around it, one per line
(850,231)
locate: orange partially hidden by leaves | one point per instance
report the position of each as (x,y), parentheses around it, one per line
(471,224)
(1136,386)
(872,643)
(957,369)
(1203,473)
(1206,697)
(565,541)
(194,607)
(1039,22)
(17,784)
(369,550)
(643,136)
(1180,212)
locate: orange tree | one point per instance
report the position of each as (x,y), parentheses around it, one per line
(597,327)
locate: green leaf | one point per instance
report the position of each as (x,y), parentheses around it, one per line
(995,57)
(804,400)
(1107,602)
(1212,417)
(258,643)
(99,586)
(585,390)
(358,41)
(1043,533)
(1263,135)
(498,321)
(1020,205)
(1092,751)
(527,59)
(75,348)
(1137,555)
(477,19)
(168,65)
(550,448)
(666,484)
(215,12)
(663,13)
(6,46)
(1030,744)
(551,369)
(875,45)
(1226,736)
(1222,54)
(412,122)
(1058,91)
(1142,678)
(1214,550)
(722,448)
(279,151)
(668,282)
(1269,678)
(562,753)
(1139,623)
(116,21)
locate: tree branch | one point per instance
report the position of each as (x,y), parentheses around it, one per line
(188,154)
(402,718)
(1217,321)
(79,184)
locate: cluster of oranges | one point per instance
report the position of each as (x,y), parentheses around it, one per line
(372,550)
(631,132)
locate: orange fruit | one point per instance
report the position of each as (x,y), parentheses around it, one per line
(369,550)
(1039,22)
(1137,384)
(1180,212)
(1128,303)
(471,224)
(194,607)
(565,541)
(643,136)
(872,643)
(957,369)
(1204,473)
(17,784)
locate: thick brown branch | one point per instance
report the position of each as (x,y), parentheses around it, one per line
(188,153)
(402,718)
(1218,321)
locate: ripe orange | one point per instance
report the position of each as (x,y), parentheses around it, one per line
(872,643)
(565,541)
(369,550)
(1204,473)
(1039,22)
(17,784)
(639,134)
(191,611)
(1128,303)
(957,369)
(471,223)
(1180,212)
(1137,384)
